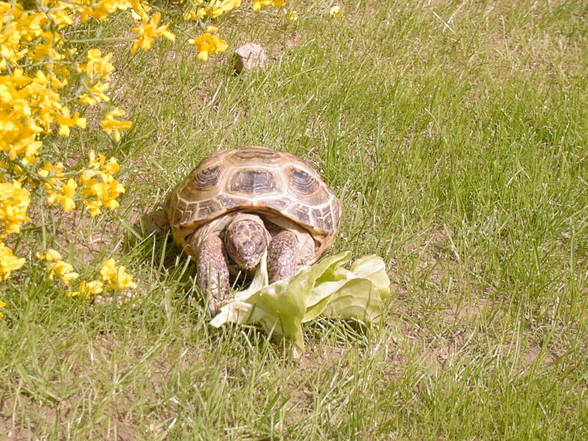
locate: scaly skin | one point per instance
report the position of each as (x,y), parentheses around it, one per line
(245,242)
(283,256)
(213,272)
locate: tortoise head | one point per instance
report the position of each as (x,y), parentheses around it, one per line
(246,241)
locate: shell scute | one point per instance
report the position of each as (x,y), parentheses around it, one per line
(208,207)
(256,153)
(301,182)
(229,202)
(252,182)
(302,213)
(276,204)
(207,178)
(328,222)
(185,213)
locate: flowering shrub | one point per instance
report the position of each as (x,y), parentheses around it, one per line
(44,85)
(46,82)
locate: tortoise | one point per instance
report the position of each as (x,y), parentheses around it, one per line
(237,204)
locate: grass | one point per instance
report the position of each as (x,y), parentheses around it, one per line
(455,133)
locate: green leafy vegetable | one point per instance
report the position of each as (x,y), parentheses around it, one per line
(323,288)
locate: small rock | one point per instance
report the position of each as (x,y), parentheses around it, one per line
(249,56)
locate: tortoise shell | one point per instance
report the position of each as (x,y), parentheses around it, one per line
(256,180)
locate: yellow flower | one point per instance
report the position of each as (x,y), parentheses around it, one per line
(68,191)
(97,66)
(96,162)
(8,262)
(52,174)
(291,14)
(45,170)
(2,305)
(208,43)
(335,11)
(51,255)
(96,81)
(99,188)
(140,8)
(214,9)
(63,270)
(61,18)
(102,8)
(111,166)
(116,278)
(14,203)
(63,195)
(95,94)
(58,192)
(113,126)
(93,207)
(87,289)
(148,30)
(108,192)
(258,4)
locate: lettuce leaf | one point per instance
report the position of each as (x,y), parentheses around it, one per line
(325,288)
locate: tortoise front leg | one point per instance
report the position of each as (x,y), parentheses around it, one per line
(283,256)
(213,273)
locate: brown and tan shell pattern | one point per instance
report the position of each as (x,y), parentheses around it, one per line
(256,180)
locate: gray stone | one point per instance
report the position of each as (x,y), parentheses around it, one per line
(250,56)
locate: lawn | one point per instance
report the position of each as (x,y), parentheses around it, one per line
(456,135)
